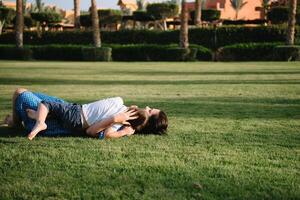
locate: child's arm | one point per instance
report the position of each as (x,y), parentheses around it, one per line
(121,118)
(110,133)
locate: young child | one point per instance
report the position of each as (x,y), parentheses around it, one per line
(108,118)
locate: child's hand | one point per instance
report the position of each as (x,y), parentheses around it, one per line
(123,117)
(129,130)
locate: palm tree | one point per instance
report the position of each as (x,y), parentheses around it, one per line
(237,5)
(19,24)
(198,8)
(95,24)
(184,39)
(77,14)
(290,38)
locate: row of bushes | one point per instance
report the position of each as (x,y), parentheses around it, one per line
(258,52)
(211,38)
(113,52)
(237,52)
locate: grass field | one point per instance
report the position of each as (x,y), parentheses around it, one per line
(234,133)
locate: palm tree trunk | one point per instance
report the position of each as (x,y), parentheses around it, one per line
(77,14)
(95,23)
(198,13)
(19,24)
(290,38)
(184,39)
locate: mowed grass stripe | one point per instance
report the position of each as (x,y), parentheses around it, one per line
(234,133)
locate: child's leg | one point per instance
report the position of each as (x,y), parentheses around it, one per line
(13,120)
(40,124)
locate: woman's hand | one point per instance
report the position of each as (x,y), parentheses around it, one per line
(123,117)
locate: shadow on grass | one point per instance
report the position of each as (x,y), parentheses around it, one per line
(44,81)
(229,107)
(100,71)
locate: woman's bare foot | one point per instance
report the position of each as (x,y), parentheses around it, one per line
(39,126)
(31,113)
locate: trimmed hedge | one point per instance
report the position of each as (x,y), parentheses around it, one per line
(96,54)
(278,15)
(152,53)
(208,37)
(247,52)
(55,52)
(117,52)
(207,15)
(287,53)
(10,52)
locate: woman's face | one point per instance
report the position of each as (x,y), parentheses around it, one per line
(151,111)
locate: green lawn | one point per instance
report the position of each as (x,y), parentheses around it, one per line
(234,133)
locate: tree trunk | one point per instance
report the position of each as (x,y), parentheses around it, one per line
(184,40)
(19,24)
(198,13)
(165,25)
(77,14)
(1,26)
(95,23)
(290,38)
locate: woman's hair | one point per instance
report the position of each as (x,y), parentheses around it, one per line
(156,124)
(142,120)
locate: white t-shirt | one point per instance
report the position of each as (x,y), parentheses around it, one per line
(103,109)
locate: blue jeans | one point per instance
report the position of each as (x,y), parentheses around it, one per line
(68,114)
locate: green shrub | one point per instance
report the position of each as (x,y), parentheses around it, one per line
(278,15)
(109,16)
(287,53)
(57,52)
(207,15)
(152,53)
(203,54)
(246,52)
(207,37)
(10,52)
(46,17)
(96,54)
(162,10)
(142,16)
(85,20)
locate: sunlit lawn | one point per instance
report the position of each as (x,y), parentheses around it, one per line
(234,133)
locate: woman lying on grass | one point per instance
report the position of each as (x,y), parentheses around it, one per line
(107,118)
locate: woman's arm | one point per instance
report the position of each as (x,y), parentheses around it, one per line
(121,118)
(110,133)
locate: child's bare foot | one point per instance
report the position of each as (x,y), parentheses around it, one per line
(31,113)
(39,126)
(8,120)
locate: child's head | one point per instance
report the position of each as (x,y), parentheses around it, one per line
(139,124)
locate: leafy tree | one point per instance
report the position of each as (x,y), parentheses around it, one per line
(290,38)
(162,11)
(6,16)
(237,5)
(47,18)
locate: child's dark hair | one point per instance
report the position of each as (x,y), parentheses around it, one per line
(157,124)
(139,124)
